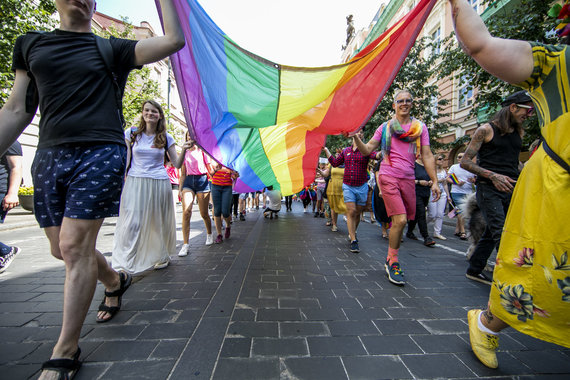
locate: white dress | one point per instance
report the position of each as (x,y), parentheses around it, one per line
(146,228)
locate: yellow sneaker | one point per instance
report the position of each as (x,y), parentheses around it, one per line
(484,345)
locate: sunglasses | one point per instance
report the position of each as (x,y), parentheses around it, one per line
(439,159)
(407,101)
(529,109)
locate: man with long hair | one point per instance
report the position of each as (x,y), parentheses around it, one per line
(497,145)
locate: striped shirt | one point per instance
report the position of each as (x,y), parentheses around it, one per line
(222,177)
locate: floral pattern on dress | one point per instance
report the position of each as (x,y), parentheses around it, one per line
(526,258)
(564,285)
(517,302)
(561,264)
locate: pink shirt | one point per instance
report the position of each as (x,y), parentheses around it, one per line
(195,162)
(402,156)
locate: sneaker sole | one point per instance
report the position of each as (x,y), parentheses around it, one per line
(474,278)
(391,279)
(11,261)
(355,250)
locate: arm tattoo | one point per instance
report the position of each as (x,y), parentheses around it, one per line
(467,162)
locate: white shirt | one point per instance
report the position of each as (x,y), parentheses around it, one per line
(146,161)
(462,175)
(274,197)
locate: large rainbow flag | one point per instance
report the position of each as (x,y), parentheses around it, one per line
(269,121)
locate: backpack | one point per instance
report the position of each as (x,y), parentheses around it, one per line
(105,50)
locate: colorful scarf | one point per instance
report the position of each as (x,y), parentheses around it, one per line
(393,127)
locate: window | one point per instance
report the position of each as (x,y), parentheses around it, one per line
(464,93)
(436,39)
(433,105)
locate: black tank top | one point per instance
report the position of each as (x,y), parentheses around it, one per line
(501,154)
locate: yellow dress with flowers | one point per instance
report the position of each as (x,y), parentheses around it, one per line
(531,282)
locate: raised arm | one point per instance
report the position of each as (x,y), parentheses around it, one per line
(365,149)
(157,48)
(13,116)
(509,60)
(180,158)
(484,134)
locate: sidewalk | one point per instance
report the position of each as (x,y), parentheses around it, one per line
(281,299)
(18,218)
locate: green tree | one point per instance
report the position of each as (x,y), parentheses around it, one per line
(527,21)
(419,69)
(18,17)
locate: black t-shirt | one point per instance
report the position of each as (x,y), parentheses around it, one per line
(77,99)
(421,174)
(14,150)
(501,154)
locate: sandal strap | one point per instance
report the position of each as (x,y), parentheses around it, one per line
(64,364)
(125,282)
(109,309)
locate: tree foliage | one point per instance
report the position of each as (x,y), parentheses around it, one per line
(18,17)
(418,74)
(526,21)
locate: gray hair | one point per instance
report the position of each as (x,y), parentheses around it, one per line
(401,91)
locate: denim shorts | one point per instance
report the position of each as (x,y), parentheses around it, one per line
(78,182)
(458,199)
(356,194)
(196,183)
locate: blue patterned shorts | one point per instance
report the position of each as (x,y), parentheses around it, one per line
(78,182)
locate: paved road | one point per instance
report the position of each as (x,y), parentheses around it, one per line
(281,299)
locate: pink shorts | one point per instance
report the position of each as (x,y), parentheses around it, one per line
(399,196)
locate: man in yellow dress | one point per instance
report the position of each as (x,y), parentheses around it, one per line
(531,282)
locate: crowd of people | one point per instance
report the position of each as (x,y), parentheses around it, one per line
(74,193)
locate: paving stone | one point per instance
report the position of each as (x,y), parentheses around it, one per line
(390,345)
(304,303)
(441,343)
(400,327)
(155,369)
(16,319)
(247,369)
(154,316)
(243,315)
(253,329)
(335,346)
(12,352)
(106,333)
(189,315)
(236,347)
(168,330)
(168,349)
(291,329)
(366,314)
(314,368)
(436,365)
(544,361)
(278,315)
(352,328)
(328,314)
(120,351)
(509,366)
(279,347)
(445,326)
(375,367)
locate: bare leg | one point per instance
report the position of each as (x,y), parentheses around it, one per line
(203,201)
(398,223)
(334,217)
(74,243)
(352,218)
(187,204)
(491,322)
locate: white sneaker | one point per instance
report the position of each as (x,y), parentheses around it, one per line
(209,239)
(440,237)
(183,251)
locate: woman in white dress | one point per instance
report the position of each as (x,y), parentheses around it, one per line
(436,210)
(146,229)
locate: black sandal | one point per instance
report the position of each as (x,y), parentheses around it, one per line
(463,236)
(126,280)
(66,368)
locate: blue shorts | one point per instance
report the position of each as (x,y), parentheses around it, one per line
(78,182)
(196,183)
(458,199)
(356,194)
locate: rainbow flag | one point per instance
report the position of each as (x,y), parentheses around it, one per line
(454,179)
(270,121)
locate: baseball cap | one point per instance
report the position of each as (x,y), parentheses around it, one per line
(517,97)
